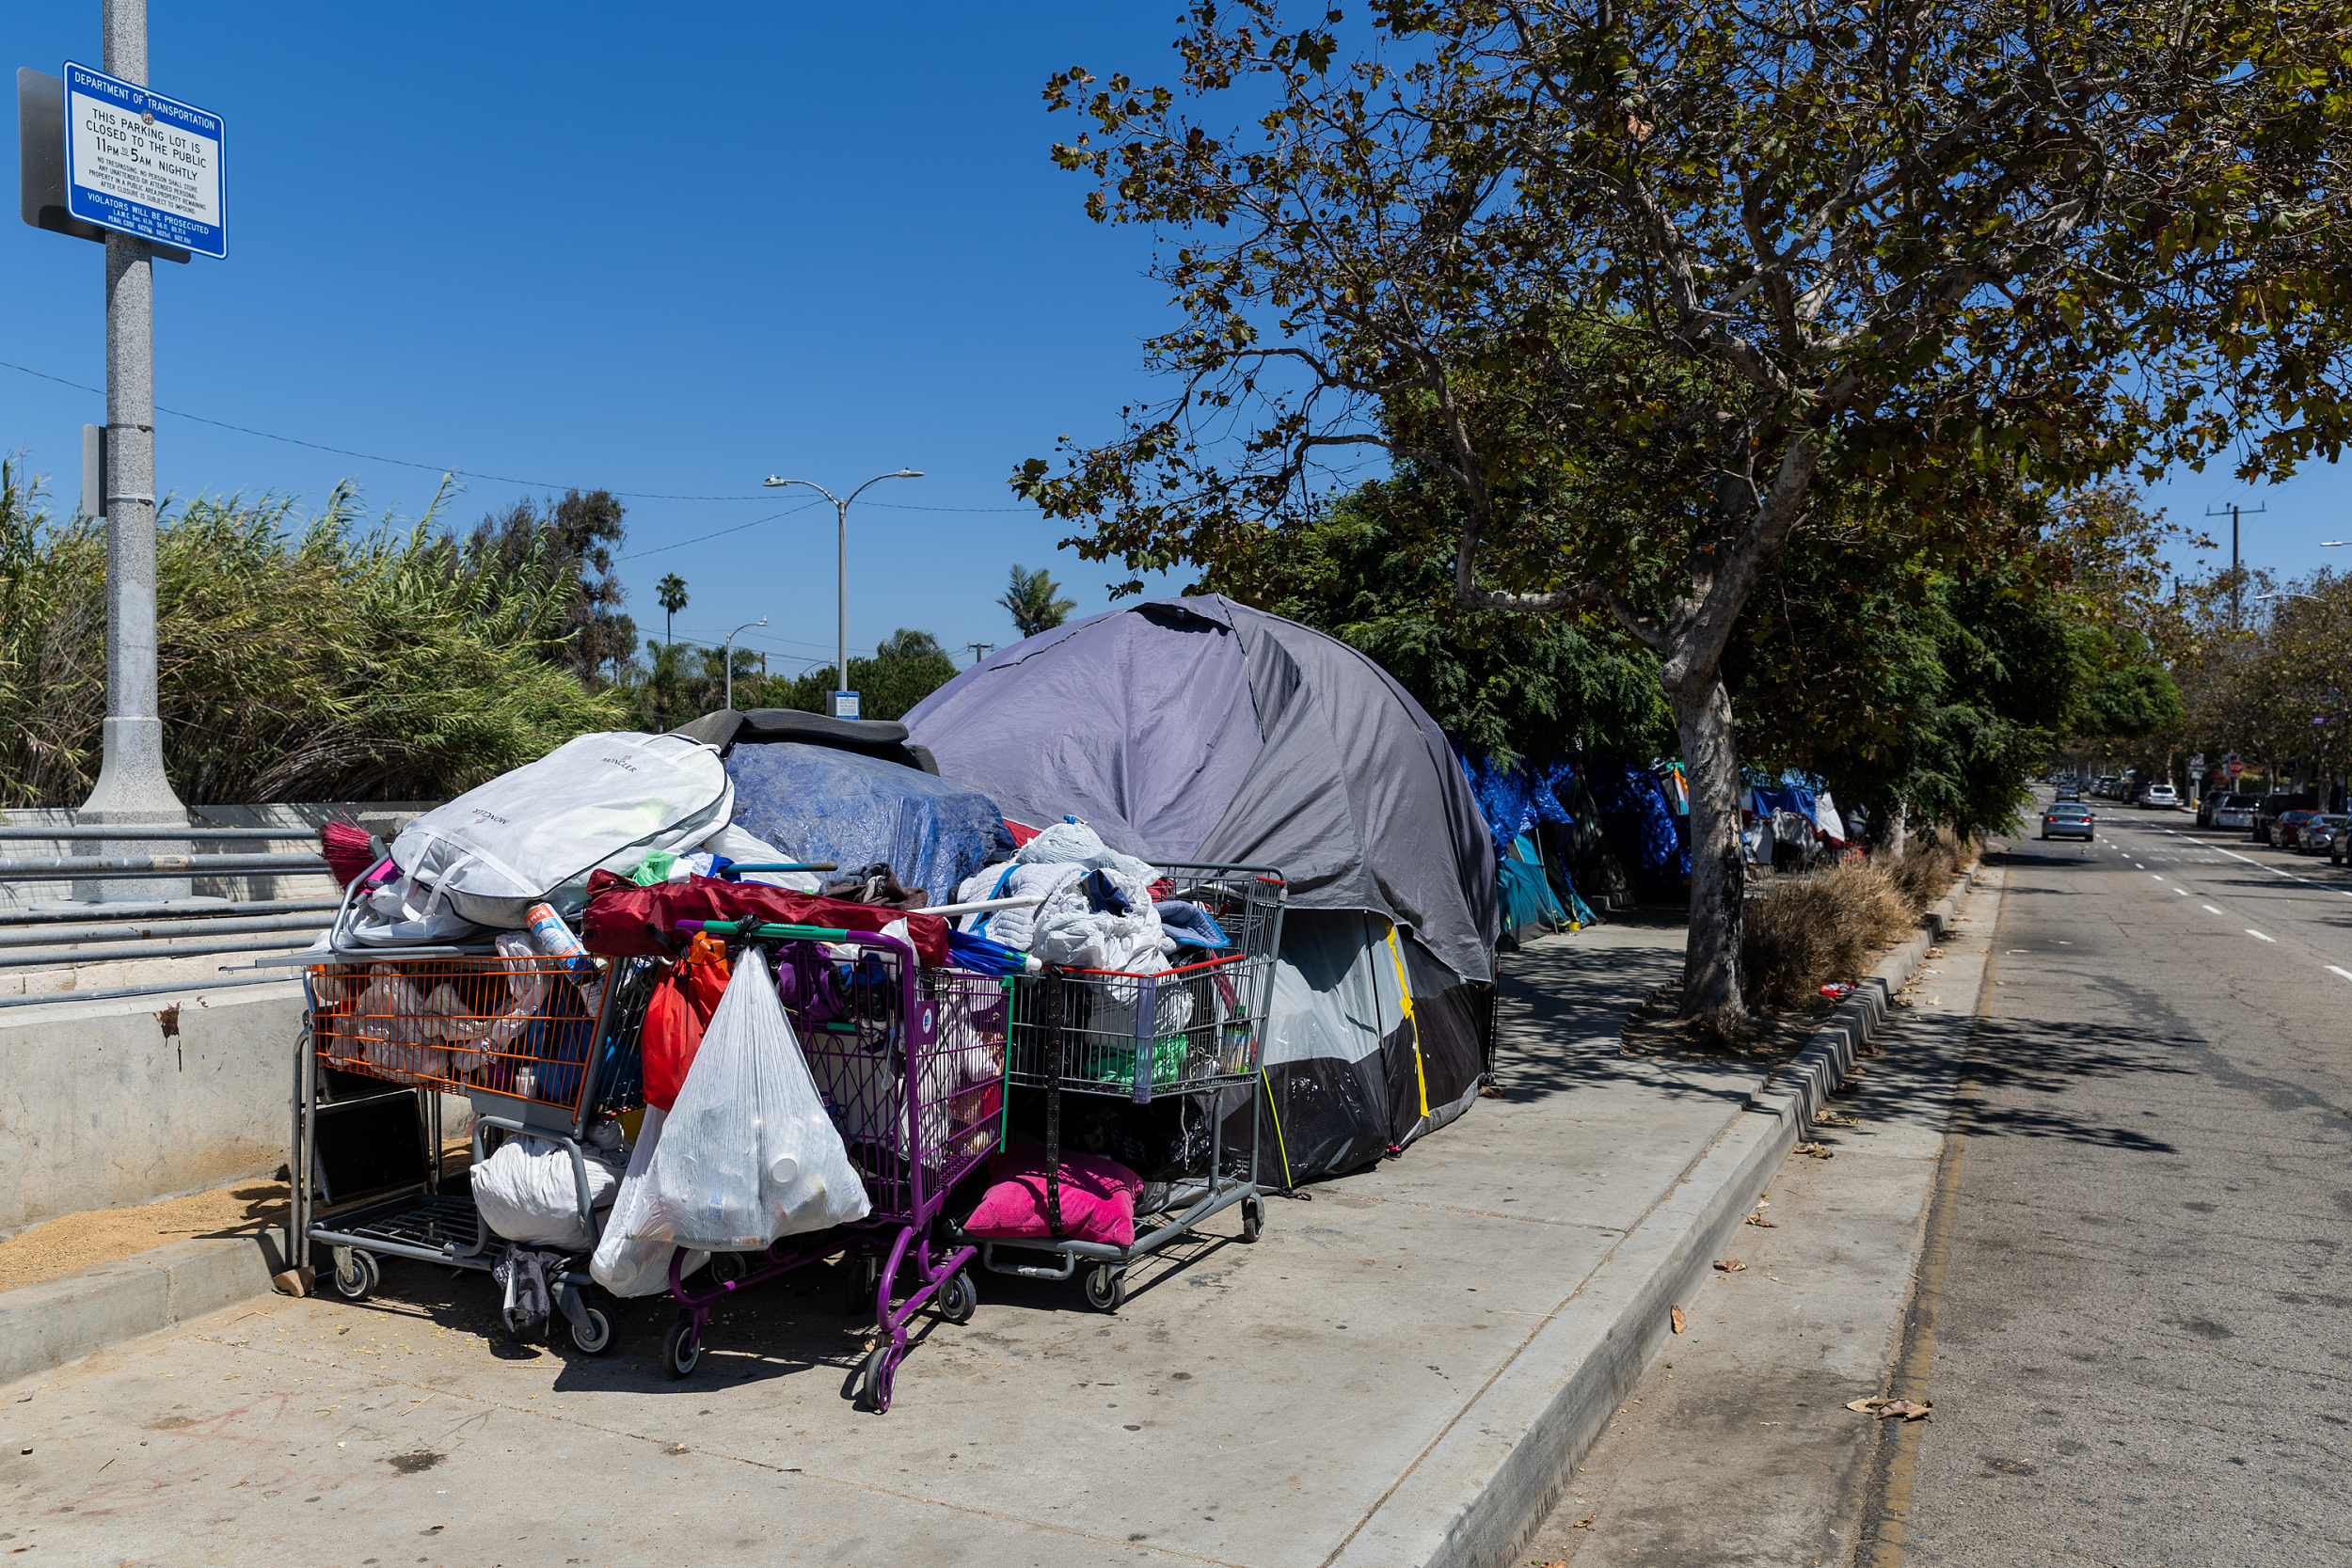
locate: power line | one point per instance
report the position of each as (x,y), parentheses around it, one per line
(377,457)
(470,473)
(721,534)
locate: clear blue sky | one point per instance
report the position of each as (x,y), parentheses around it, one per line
(665,249)
(673,250)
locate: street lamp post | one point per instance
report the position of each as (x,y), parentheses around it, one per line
(745,626)
(841,514)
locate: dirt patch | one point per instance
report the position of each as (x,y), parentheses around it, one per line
(76,1242)
(102,1235)
(1773,1035)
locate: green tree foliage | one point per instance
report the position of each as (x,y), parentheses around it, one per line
(315,662)
(670,593)
(908,667)
(577,534)
(1032,603)
(1880,246)
(1370,572)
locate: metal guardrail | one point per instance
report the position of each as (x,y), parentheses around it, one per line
(54,868)
(231,921)
(126,834)
(129,916)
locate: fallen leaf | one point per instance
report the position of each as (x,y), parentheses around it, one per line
(1837,1118)
(1729,1265)
(1678,1319)
(1490,1091)
(1758,1218)
(1867,1407)
(1817,1152)
(1585,1523)
(1909,1410)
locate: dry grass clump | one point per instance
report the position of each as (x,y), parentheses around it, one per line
(1810,931)
(1926,871)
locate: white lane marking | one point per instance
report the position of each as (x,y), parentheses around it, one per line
(2346,972)
(2182,890)
(2157,875)
(2251,932)
(2210,909)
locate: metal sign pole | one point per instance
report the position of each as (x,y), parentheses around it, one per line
(132,784)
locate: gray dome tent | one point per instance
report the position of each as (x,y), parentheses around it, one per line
(1198,729)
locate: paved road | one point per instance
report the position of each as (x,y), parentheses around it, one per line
(2135,1309)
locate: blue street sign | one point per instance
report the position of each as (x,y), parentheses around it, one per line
(142,164)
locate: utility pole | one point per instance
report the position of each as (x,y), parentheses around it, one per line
(2236,588)
(980,650)
(132,784)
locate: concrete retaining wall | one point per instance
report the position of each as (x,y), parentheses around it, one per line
(105,1104)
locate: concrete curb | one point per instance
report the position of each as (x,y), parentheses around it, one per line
(1496,1472)
(46,1325)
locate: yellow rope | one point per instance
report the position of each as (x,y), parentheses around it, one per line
(1405,989)
(1278,1142)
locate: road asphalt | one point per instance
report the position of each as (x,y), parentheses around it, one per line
(2132,1307)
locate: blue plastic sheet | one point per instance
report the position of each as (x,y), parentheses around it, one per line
(1514,797)
(1638,817)
(814,803)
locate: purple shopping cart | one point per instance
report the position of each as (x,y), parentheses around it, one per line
(911,1063)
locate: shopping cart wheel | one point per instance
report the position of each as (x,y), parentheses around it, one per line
(356,1275)
(681,1349)
(1252,1217)
(873,1380)
(860,1273)
(728,1267)
(1107,1288)
(958,1298)
(594,1335)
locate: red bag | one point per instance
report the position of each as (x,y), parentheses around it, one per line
(680,1010)
(626,921)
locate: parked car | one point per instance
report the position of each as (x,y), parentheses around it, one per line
(2228,811)
(2312,838)
(2339,846)
(2287,826)
(2160,796)
(2271,807)
(2068,819)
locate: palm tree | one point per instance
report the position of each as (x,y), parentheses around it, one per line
(670,593)
(1030,598)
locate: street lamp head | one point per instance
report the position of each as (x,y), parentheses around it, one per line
(772,483)
(908,473)
(2334,544)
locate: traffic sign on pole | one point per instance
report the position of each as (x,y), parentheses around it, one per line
(142,164)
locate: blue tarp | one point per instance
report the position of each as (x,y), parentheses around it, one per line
(1515,797)
(1640,817)
(819,805)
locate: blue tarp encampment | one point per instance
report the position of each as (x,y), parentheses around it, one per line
(816,803)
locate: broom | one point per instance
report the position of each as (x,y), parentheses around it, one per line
(351,851)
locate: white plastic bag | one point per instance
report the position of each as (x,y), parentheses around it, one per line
(527,1192)
(748,1153)
(633,1257)
(536,832)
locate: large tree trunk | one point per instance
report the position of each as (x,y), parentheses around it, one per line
(1711,761)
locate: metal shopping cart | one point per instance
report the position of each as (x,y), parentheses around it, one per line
(536,1047)
(911,1063)
(1196,1031)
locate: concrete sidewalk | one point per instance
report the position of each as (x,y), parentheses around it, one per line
(1399,1372)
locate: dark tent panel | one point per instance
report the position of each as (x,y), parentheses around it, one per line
(1198,729)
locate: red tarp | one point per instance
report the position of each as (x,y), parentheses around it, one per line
(623,918)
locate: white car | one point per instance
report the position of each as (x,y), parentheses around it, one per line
(2161,798)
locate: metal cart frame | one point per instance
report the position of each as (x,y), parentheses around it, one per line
(903,1141)
(1253,897)
(427,1223)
